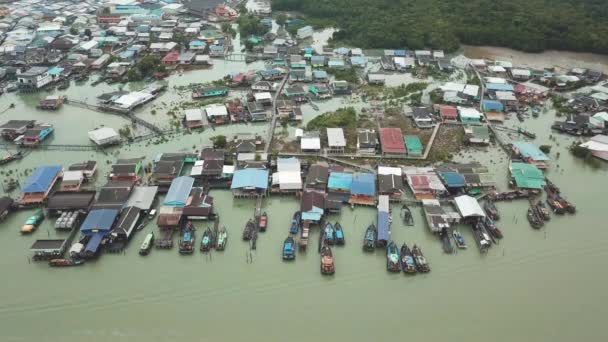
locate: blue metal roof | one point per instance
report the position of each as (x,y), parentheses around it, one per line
(453,179)
(197,43)
(492,106)
(528,150)
(41,179)
(340,181)
(98,220)
(127,54)
(179,191)
(363,184)
(499,87)
(358,60)
(319,74)
(250,178)
(383,228)
(54,71)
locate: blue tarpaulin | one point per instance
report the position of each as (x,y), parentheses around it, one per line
(41,179)
(98,220)
(94,243)
(54,71)
(453,179)
(492,106)
(250,178)
(383,228)
(363,184)
(340,181)
(179,191)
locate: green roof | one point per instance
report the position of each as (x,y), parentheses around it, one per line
(413,144)
(481,132)
(527,176)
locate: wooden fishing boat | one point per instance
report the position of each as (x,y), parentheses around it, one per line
(460,243)
(147,244)
(392,257)
(32,222)
(329,234)
(206,241)
(263,222)
(186,243)
(534,219)
(490,208)
(289,249)
(422,264)
(249,230)
(65,262)
(492,228)
(543,211)
(408,219)
(327,261)
(11,157)
(222,239)
(339,233)
(369,240)
(295,223)
(407,260)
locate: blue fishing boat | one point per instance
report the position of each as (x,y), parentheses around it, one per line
(295,223)
(186,244)
(460,243)
(339,234)
(392,257)
(329,234)
(289,251)
(206,241)
(407,260)
(369,240)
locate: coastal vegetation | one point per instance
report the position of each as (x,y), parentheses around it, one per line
(343,117)
(528,25)
(219,141)
(349,75)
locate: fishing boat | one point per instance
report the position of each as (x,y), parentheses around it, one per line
(329,234)
(222,239)
(421,264)
(295,223)
(534,219)
(526,133)
(339,234)
(206,241)
(263,223)
(407,260)
(186,244)
(543,211)
(460,243)
(249,230)
(535,111)
(327,261)
(369,240)
(65,262)
(408,219)
(63,85)
(392,257)
(289,251)
(490,208)
(11,157)
(32,222)
(147,244)
(492,228)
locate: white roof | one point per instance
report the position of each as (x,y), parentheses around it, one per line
(471,90)
(288,180)
(216,110)
(505,96)
(595,146)
(196,170)
(505,64)
(88,45)
(600,96)
(521,72)
(468,206)
(468,112)
(496,68)
(438,54)
(388,170)
(172,6)
(288,165)
(299,133)
(310,143)
(335,137)
(601,115)
(262,96)
(128,100)
(453,86)
(498,80)
(404,61)
(478,62)
(194,114)
(227,169)
(70,176)
(102,133)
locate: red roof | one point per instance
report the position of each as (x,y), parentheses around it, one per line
(448,111)
(391,140)
(519,88)
(172,56)
(420,182)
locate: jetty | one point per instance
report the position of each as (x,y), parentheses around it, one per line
(273,121)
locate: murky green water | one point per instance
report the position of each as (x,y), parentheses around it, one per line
(535,286)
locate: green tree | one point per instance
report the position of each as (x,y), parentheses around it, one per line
(134,75)
(87,32)
(73,30)
(281,19)
(219,141)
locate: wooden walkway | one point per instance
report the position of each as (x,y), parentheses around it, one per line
(273,121)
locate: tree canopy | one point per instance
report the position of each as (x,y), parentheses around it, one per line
(528,25)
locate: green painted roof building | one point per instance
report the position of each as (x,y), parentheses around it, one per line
(413,145)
